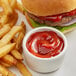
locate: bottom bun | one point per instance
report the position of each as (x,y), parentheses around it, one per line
(69,30)
(35,24)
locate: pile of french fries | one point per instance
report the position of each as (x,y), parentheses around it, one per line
(11,37)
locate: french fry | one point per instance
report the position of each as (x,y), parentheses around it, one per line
(4,19)
(5,64)
(10,19)
(14,39)
(0,2)
(11,74)
(4,30)
(14,19)
(5,72)
(6,49)
(20,7)
(13,4)
(21,50)
(6,6)
(16,54)
(0,26)
(9,59)
(1,11)
(1,74)
(24,28)
(22,68)
(19,41)
(9,36)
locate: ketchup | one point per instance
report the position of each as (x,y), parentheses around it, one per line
(45,44)
(56,18)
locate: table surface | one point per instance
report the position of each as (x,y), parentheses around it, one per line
(69,65)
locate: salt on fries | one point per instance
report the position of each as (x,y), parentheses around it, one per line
(11,37)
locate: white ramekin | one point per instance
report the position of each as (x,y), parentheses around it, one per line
(44,65)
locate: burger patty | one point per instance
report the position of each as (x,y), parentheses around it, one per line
(63,21)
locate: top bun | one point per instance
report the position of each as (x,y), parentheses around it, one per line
(49,7)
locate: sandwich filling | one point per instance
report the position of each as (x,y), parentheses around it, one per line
(65,23)
(55,20)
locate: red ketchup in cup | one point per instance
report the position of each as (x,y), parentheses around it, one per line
(45,44)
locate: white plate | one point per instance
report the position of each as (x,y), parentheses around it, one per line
(69,66)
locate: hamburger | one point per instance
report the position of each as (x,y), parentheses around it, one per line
(60,14)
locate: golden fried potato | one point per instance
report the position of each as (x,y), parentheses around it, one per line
(19,41)
(3,71)
(5,64)
(20,8)
(23,28)
(17,54)
(6,6)
(12,3)
(11,74)
(14,19)
(22,68)
(9,36)
(6,49)
(6,28)
(9,59)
